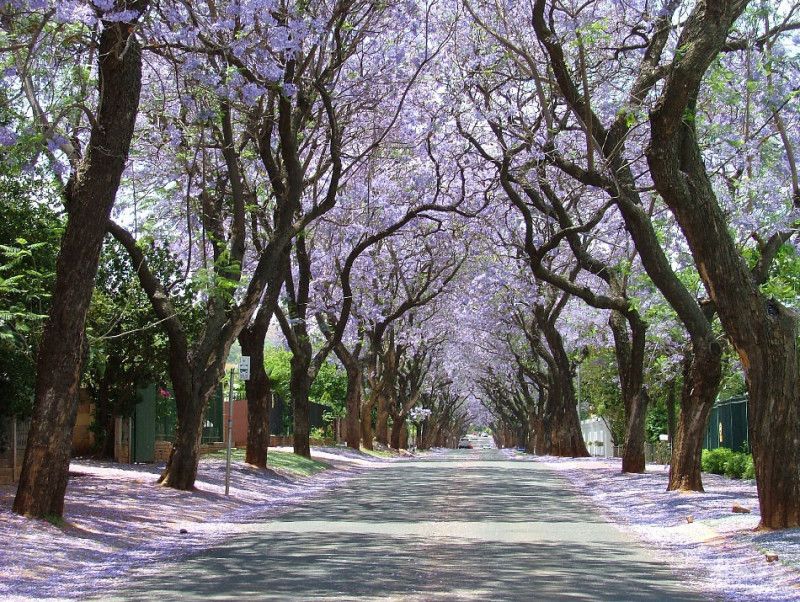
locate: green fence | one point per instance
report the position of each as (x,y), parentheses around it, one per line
(144,422)
(165,419)
(727,425)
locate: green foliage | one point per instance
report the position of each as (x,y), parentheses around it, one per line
(600,387)
(784,281)
(328,389)
(656,422)
(735,465)
(724,461)
(30,233)
(713,460)
(128,347)
(749,469)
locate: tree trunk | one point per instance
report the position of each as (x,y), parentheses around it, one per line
(382,420)
(397,430)
(90,196)
(299,386)
(181,470)
(633,459)
(352,425)
(192,395)
(629,352)
(702,375)
(366,423)
(561,425)
(763,332)
(258,391)
(387,392)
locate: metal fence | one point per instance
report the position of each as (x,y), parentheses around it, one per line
(13,438)
(654,453)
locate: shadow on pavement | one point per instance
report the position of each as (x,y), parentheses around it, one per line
(435,530)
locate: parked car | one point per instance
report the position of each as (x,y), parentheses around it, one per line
(464,443)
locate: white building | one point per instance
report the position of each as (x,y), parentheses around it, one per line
(597,436)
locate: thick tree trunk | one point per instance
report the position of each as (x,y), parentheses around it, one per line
(774,413)
(386,393)
(424,434)
(561,425)
(382,420)
(563,434)
(633,459)
(181,469)
(259,393)
(397,430)
(299,386)
(702,374)
(352,420)
(367,434)
(192,394)
(763,332)
(629,352)
(90,197)
(259,402)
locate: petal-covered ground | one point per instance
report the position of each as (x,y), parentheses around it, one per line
(718,550)
(116,517)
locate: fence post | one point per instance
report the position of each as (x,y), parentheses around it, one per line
(14,449)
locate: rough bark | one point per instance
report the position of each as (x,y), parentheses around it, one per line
(622,184)
(352,425)
(367,434)
(382,419)
(89,196)
(561,428)
(702,375)
(397,431)
(629,351)
(258,391)
(763,332)
(299,386)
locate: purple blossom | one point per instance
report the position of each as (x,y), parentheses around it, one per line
(7,137)
(289,90)
(251,93)
(121,16)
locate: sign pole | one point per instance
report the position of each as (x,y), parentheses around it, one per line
(14,450)
(230,435)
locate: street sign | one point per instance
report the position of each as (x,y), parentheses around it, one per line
(244,367)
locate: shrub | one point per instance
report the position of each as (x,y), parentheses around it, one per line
(749,469)
(724,461)
(735,465)
(714,460)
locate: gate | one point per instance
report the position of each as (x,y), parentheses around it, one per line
(144,425)
(727,425)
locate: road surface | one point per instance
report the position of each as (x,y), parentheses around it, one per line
(469,525)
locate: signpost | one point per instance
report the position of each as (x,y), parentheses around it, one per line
(244,374)
(230,434)
(244,367)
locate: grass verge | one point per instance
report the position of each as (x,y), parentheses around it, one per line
(285,462)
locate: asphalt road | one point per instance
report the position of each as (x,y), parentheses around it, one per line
(468,526)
